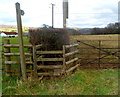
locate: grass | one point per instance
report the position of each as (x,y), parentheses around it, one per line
(81,82)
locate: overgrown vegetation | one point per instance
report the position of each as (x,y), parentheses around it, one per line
(51,39)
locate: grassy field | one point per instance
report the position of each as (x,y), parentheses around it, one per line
(80,82)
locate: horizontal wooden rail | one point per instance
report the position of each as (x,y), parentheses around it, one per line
(98,48)
(50,59)
(99,40)
(45,74)
(49,67)
(72,45)
(15,45)
(13,71)
(72,68)
(37,46)
(49,52)
(71,53)
(15,62)
(16,54)
(71,61)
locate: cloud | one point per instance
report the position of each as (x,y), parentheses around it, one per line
(82,13)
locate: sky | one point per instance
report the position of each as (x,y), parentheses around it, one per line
(82,13)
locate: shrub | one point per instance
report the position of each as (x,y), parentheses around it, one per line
(51,39)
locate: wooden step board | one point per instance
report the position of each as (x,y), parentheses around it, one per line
(49,66)
(56,70)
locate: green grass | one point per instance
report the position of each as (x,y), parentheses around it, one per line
(82,82)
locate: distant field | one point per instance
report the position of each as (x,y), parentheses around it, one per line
(25,29)
(107,43)
(97,37)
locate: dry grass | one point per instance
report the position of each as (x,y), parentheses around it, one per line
(96,37)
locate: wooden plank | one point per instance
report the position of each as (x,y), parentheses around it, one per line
(17,71)
(49,52)
(16,54)
(71,53)
(72,68)
(45,74)
(15,62)
(38,46)
(15,45)
(71,61)
(72,45)
(49,67)
(50,59)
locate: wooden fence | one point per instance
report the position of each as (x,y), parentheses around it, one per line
(9,61)
(99,53)
(35,59)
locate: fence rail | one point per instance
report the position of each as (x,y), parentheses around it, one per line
(15,45)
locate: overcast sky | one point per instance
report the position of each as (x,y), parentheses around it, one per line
(82,13)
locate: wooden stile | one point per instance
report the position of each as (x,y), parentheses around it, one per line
(48,70)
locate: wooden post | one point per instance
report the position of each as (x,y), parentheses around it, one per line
(20,36)
(7,58)
(35,61)
(64,63)
(99,53)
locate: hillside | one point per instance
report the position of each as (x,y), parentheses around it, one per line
(11,28)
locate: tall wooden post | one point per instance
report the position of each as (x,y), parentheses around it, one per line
(20,36)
